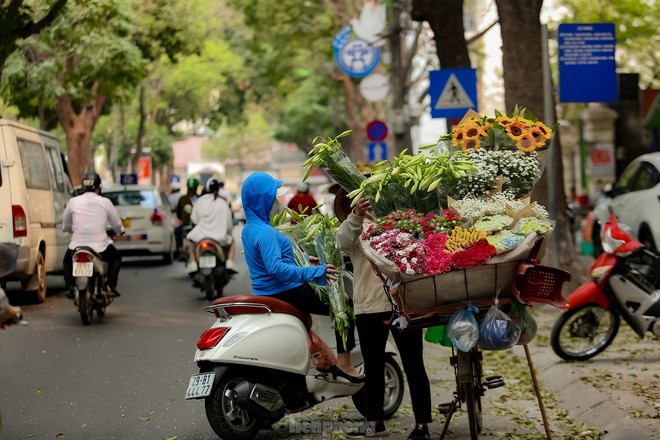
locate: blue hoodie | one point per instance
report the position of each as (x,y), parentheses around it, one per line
(268,252)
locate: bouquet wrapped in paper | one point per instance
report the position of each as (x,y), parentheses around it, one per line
(315,235)
(328,155)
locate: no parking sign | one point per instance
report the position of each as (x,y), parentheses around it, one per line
(377,130)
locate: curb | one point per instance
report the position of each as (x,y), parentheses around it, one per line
(585,402)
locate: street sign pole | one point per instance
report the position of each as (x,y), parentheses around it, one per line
(548,110)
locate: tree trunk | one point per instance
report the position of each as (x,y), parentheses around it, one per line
(446,20)
(522,59)
(78,128)
(140,132)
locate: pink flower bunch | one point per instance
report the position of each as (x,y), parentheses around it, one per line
(437,260)
(413,222)
(403,249)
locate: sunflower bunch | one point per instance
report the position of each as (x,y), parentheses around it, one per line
(521,131)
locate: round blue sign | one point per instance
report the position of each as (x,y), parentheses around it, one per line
(376,130)
(357,57)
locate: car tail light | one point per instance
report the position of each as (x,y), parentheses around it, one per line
(157,217)
(82,257)
(211,337)
(19,220)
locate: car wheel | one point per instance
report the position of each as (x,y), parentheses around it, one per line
(38,294)
(168,257)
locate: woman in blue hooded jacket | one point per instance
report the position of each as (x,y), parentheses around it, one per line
(273,270)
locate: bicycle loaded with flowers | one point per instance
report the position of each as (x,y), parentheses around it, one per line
(452,224)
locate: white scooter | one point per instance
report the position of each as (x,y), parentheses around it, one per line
(255,366)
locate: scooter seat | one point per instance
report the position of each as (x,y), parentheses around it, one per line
(236,305)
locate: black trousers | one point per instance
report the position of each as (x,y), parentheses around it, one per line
(373,334)
(305,299)
(110,255)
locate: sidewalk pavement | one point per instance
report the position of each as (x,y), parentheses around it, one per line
(602,392)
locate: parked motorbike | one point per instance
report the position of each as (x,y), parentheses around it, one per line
(259,360)
(89,272)
(622,283)
(213,275)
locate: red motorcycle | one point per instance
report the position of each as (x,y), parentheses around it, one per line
(622,285)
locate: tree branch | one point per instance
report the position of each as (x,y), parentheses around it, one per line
(481,33)
(35,28)
(413,50)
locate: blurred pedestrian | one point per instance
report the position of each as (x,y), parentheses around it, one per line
(8,314)
(303,202)
(174,195)
(183,210)
(224,193)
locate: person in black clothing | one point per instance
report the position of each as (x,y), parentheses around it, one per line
(372,311)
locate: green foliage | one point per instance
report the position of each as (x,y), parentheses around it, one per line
(636,23)
(240,141)
(291,60)
(195,87)
(311,108)
(89,43)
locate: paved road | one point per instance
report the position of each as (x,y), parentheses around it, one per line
(125,376)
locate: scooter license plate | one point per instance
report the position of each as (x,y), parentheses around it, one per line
(200,386)
(206,261)
(83,269)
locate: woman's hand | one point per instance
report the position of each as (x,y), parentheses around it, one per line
(362,207)
(314,261)
(331,273)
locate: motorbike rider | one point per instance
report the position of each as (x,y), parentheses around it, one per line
(87,216)
(372,311)
(211,215)
(273,271)
(183,210)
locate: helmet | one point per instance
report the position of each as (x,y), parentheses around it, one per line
(212,185)
(192,182)
(302,187)
(91,181)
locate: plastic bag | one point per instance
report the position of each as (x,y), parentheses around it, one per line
(438,335)
(497,331)
(463,330)
(525,321)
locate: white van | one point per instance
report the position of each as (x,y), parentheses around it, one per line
(34,190)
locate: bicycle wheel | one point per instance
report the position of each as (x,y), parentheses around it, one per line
(469,369)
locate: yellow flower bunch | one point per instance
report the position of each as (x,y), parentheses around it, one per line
(462,238)
(520,131)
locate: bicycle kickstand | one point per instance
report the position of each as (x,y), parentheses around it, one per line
(448,409)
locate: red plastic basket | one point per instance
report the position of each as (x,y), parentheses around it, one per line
(542,284)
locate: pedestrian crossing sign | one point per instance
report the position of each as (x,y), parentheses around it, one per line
(453,92)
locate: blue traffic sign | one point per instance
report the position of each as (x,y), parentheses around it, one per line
(357,57)
(587,67)
(453,92)
(377,130)
(128,179)
(377,151)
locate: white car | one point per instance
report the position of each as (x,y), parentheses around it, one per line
(635,200)
(147,218)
